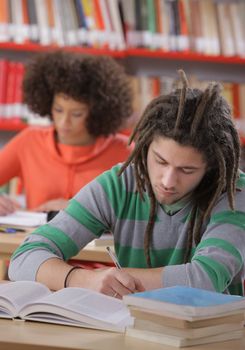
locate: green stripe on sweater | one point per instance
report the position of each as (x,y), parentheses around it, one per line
(129,201)
(135,257)
(31,246)
(236,218)
(58,237)
(217,273)
(85,218)
(220,243)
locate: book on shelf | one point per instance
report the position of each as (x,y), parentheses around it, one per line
(79,307)
(185,316)
(186,302)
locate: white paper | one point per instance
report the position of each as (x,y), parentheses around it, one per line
(24,218)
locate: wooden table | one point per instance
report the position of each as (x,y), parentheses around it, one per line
(21,335)
(10,241)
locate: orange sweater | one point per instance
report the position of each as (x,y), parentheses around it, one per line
(49,170)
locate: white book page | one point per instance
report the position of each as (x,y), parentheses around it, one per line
(24,218)
(14,295)
(79,301)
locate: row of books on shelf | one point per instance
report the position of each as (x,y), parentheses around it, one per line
(177,316)
(86,22)
(11,99)
(210,27)
(145,88)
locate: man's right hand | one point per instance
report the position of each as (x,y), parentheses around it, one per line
(7,205)
(109,281)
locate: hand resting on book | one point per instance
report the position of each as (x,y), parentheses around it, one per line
(109,281)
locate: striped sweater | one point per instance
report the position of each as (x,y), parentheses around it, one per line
(111,203)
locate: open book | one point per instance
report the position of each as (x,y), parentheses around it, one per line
(69,306)
(24,219)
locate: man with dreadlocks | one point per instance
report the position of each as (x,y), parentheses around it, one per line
(176,207)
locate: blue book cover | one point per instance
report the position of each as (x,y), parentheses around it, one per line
(186,301)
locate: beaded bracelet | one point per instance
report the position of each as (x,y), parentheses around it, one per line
(68,274)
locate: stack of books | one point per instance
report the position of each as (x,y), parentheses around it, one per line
(185,316)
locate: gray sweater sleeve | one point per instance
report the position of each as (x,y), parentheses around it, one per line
(220,255)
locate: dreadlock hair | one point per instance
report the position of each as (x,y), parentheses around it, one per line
(202,120)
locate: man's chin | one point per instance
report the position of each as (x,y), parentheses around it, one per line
(167,201)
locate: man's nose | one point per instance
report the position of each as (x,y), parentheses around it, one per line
(169,178)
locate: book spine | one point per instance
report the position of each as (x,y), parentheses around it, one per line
(151,10)
(18,106)
(3,86)
(32,14)
(107,23)
(117,25)
(4,21)
(42,19)
(10,93)
(82,24)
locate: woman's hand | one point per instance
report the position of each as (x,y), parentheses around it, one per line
(53,205)
(8,205)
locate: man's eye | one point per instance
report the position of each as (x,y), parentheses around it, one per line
(160,161)
(187,171)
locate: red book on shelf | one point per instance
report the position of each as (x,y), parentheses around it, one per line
(17,108)
(3,86)
(99,13)
(155,87)
(184,34)
(10,93)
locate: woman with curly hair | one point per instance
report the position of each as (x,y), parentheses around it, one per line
(88,99)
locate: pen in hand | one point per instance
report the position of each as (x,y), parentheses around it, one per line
(113,258)
(118,266)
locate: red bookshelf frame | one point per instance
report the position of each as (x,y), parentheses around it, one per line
(130,52)
(12,125)
(32,47)
(186,56)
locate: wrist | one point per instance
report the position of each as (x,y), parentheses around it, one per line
(69,275)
